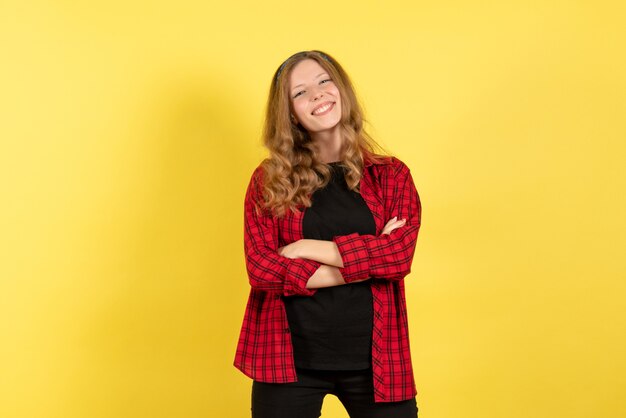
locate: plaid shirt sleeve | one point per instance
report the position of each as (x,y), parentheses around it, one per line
(268,270)
(388,256)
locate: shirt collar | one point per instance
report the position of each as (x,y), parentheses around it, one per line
(368,162)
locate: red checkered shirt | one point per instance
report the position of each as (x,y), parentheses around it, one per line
(264,350)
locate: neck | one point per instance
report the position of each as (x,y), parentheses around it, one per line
(328,144)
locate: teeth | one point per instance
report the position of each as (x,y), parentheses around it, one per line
(322,109)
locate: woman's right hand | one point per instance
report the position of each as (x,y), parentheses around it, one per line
(392,224)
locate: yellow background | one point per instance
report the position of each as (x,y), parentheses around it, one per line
(129,131)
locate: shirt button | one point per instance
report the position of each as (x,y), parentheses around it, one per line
(287,330)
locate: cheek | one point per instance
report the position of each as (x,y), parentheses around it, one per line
(299,109)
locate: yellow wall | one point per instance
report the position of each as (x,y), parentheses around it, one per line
(128,134)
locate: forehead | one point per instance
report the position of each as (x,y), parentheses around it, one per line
(305,71)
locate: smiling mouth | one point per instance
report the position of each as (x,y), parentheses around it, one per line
(323,109)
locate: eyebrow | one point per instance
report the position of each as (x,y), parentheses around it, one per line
(321,74)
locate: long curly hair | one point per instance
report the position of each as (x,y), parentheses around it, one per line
(293,170)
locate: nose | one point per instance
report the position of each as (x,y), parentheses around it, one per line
(318,93)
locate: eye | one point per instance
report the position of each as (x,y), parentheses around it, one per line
(302,91)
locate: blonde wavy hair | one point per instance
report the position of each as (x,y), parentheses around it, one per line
(293,170)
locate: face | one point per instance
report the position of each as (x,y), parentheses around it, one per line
(314,96)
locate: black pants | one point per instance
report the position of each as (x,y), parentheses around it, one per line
(303,399)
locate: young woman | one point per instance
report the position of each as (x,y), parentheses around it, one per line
(330,229)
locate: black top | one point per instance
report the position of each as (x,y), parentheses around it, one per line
(332,330)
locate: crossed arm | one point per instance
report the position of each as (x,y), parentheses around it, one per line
(301,267)
(327,253)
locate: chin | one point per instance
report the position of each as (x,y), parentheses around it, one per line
(328,126)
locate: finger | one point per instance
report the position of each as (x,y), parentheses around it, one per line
(395,226)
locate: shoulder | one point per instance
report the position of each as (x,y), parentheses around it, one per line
(256,180)
(258,174)
(391,166)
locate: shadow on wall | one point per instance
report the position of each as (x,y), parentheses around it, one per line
(169,328)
